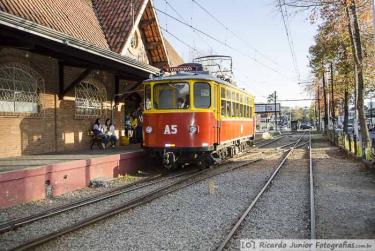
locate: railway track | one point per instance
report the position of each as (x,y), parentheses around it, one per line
(152,180)
(182,180)
(185,179)
(237,225)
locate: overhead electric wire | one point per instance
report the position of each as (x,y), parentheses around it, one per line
(235,34)
(223,43)
(292,45)
(284,16)
(180,16)
(179,39)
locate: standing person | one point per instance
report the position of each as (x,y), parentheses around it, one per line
(134,123)
(139,116)
(128,125)
(98,130)
(180,103)
(111,132)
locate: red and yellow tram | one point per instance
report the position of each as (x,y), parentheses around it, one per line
(196,117)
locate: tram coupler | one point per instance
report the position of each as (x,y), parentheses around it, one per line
(169,159)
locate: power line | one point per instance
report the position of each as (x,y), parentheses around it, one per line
(234,34)
(178,39)
(180,16)
(302,99)
(284,15)
(223,43)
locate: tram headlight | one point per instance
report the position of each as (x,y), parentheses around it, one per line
(148,129)
(193,129)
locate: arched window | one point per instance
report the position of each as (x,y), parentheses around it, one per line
(20,87)
(89,98)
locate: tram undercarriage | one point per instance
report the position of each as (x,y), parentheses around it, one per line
(172,158)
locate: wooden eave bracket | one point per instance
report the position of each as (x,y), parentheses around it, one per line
(62,90)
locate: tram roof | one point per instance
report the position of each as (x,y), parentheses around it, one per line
(195,76)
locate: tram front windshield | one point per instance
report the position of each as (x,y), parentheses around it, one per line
(171,96)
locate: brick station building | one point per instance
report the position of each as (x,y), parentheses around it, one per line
(63,63)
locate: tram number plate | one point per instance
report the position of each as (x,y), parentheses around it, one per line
(170,129)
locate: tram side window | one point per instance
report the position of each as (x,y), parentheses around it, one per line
(147,97)
(232,110)
(251,112)
(202,95)
(223,107)
(223,92)
(228,113)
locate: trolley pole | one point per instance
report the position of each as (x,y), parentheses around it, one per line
(275,112)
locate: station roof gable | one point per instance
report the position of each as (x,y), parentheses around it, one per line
(107,24)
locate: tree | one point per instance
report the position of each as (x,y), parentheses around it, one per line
(346,32)
(271,98)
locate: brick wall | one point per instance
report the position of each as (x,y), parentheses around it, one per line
(56,128)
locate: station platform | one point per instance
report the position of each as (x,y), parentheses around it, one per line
(33,177)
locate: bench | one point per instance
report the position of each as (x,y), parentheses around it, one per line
(96,140)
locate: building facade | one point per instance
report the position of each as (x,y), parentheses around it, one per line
(64,63)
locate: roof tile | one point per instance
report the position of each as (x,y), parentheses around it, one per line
(72,17)
(116,19)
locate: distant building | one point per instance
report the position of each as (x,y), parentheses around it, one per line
(63,63)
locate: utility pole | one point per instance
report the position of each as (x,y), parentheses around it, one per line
(275,112)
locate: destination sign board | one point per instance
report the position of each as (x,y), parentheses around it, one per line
(264,108)
(184,68)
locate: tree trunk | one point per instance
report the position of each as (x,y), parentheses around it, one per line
(346,110)
(325,105)
(319,122)
(355,35)
(333,100)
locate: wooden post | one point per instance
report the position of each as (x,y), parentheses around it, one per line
(61,80)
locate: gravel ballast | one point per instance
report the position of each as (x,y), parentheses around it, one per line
(47,225)
(199,216)
(191,218)
(283,210)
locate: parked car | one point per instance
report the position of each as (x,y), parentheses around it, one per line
(305,127)
(350,128)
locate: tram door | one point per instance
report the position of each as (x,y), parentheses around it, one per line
(217,125)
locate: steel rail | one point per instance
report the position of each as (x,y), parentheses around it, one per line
(244,215)
(141,200)
(302,144)
(155,179)
(286,145)
(270,142)
(312,201)
(135,202)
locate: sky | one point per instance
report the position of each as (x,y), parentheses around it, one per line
(257,24)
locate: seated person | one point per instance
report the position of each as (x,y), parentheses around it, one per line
(98,131)
(110,132)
